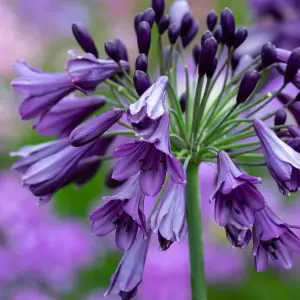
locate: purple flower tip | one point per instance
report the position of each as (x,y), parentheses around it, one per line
(211,20)
(228,27)
(247,86)
(159,8)
(144,37)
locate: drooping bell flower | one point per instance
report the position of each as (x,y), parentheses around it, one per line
(63,117)
(94,127)
(168,219)
(123,212)
(42,90)
(236,198)
(50,173)
(272,238)
(152,157)
(87,72)
(129,273)
(282,161)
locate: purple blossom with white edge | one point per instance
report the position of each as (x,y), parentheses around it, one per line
(282,161)
(169,135)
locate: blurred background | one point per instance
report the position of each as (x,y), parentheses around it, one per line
(48,252)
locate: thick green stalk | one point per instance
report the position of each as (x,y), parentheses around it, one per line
(195,233)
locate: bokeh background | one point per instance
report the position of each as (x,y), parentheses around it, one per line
(48,252)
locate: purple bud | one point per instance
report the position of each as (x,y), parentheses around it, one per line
(173,33)
(141,82)
(211,71)
(235,60)
(141,63)
(111,50)
(84,39)
(196,53)
(247,85)
(112,183)
(149,16)
(192,33)
(159,8)
(144,37)
(294,131)
(186,23)
(218,34)
(207,55)
(137,20)
(293,66)
(280,117)
(228,26)
(240,37)
(206,35)
(268,55)
(163,24)
(211,20)
(182,102)
(123,54)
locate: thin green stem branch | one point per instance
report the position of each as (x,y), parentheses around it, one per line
(194,221)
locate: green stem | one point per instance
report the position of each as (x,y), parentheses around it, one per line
(195,233)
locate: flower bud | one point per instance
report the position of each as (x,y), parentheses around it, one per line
(191,34)
(206,35)
(186,24)
(293,66)
(111,50)
(247,85)
(211,71)
(159,8)
(141,82)
(294,131)
(280,117)
(123,54)
(240,37)
(268,55)
(144,37)
(235,60)
(211,20)
(173,33)
(196,53)
(141,63)
(163,24)
(137,20)
(207,56)
(182,102)
(84,39)
(218,34)
(228,26)
(149,16)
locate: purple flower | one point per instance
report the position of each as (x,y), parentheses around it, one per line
(95,127)
(236,198)
(130,270)
(49,173)
(152,157)
(63,117)
(151,104)
(43,90)
(282,161)
(87,72)
(123,212)
(169,220)
(273,238)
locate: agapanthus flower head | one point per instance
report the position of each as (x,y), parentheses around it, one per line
(169,127)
